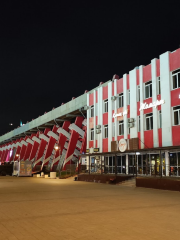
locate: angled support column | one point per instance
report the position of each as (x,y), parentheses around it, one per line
(73,142)
(41,149)
(61,142)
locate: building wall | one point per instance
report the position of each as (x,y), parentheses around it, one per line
(168,134)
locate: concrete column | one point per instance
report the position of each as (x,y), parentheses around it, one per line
(115,109)
(125,105)
(109,115)
(167,163)
(166,95)
(88,115)
(154,99)
(127,164)
(100,120)
(133,103)
(95,111)
(141,99)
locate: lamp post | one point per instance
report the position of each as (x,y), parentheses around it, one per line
(57,147)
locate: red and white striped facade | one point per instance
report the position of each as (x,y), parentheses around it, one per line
(39,148)
(168,134)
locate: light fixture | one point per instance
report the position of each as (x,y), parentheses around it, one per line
(138,153)
(56,147)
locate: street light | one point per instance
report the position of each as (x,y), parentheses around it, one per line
(57,147)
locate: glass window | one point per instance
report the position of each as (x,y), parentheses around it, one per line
(121,127)
(106,161)
(92,133)
(138,94)
(159,85)
(106,105)
(160,119)
(149,121)
(176,79)
(106,131)
(110,161)
(121,100)
(173,159)
(148,89)
(92,111)
(139,123)
(176,114)
(128,97)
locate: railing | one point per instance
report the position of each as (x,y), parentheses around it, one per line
(149,170)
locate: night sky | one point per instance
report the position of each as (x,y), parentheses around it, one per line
(51,52)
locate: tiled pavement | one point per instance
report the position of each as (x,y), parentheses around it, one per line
(34,208)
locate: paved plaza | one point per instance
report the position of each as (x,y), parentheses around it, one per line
(36,208)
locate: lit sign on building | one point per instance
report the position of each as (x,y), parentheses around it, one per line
(120,114)
(150,105)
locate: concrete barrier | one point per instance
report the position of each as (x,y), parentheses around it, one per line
(46,176)
(52,174)
(38,175)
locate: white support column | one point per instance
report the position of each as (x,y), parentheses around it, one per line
(94,93)
(133,103)
(167,163)
(125,105)
(115,109)
(127,171)
(154,99)
(141,99)
(88,130)
(100,117)
(109,115)
(166,95)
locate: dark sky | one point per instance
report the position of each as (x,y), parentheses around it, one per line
(51,52)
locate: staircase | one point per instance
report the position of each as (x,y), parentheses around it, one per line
(128,183)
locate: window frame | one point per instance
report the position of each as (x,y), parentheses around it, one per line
(105,105)
(149,117)
(148,85)
(158,85)
(91,134)
(121,96)
(175,73)
(160,119)
(121,123)
(105,131)
(139,123)
(138,93)
(176,110)
(92,111)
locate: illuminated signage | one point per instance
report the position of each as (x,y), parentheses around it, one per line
(122,145)
(96,149)
(120,114)
(150,105)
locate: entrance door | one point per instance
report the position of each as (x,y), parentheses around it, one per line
(155,164)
